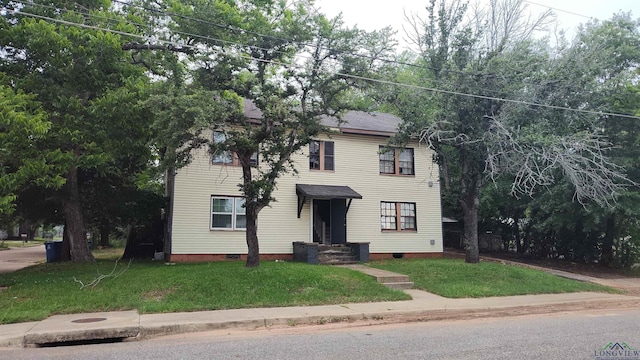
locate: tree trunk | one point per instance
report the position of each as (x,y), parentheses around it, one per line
(253,253)
(470,184)
(516,228)
(251,212)
(104,235)
(65,255)
(129,248)
(607,243)
(72,210)
(470,214)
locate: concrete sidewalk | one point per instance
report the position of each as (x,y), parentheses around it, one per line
(424,306)
(627,284)
(18,258)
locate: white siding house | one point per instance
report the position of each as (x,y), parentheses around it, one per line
(345,191)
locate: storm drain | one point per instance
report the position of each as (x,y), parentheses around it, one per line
(81,342)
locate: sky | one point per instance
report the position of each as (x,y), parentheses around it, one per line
(375,14)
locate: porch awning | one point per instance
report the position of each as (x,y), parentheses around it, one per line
(324,192)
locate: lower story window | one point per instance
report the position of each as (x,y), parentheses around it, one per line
(397,216)
(228,213)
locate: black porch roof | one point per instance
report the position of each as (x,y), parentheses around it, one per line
(326,192)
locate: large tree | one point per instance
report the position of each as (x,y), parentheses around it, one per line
(292,63)
(22,125)
(87,86)
(602,61)
(488,72)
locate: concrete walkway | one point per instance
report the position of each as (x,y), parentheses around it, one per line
(18,258)
(626,284)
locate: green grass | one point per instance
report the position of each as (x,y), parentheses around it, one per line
(454,278)
(152,287)
(20,243)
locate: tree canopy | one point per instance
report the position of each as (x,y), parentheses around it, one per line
(87,87)
(507,104)
(99,97)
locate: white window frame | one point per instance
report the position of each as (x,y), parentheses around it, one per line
(235,212)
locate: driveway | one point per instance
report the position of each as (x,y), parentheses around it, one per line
(18,258)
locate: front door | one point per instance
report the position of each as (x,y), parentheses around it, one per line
(338,221)
(330,221)
(322,221)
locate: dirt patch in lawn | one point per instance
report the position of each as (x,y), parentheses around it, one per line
(157,295)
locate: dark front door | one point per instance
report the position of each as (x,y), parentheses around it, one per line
(338,221)
(322,221)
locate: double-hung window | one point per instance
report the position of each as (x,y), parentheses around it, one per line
(397,216)
(396,161)
(228,213)
(321,155)
(221,157)
(226,157)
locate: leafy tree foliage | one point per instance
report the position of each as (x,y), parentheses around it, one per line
(492,55)
(293,64)
(22,124)
(87,87)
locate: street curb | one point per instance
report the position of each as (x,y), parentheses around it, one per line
(392,317)
(258,321)
(12,342)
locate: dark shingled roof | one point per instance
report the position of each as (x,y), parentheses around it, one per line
(360,120)
(326,192)
(353,121)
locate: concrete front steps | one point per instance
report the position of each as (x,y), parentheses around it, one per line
(335,255)
(387,278)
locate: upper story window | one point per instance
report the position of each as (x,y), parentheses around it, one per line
(321,155)
(221,157)
(397,161)
(228,157)
(228,213)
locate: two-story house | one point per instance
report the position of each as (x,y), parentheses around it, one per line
(350,187)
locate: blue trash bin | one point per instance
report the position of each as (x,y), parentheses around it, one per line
(53,250)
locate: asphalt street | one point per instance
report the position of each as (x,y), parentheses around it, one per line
(576,335)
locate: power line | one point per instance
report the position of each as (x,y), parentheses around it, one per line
(208,38)
(560,10)
(495,92)
(387,82)
(388,61)
(451,92)
(232,28)
(245,31)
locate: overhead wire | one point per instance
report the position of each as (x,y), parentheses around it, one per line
(221,41)
(381,81)
(207,38)
(560,10)
(389,61)
(228,27)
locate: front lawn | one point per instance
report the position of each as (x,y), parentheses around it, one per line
(150,287)
(20,243)
(453,278)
